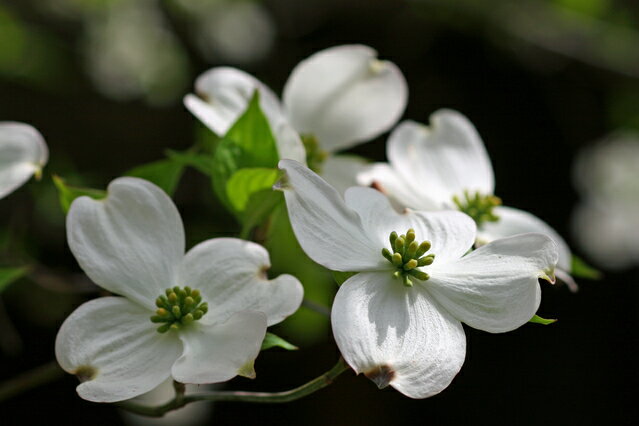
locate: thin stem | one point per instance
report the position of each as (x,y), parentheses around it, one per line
(316,307)
(31,379)
(241,396)
(51,280)
(10,341)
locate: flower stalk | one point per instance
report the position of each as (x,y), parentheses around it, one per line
(180,399)
(31,379)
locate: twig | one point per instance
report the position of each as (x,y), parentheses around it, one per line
(31,379)
(316,307)
(181,400)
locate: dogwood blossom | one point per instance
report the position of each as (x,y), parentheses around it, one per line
(399,319)
(606,223)
(23,153)
(337,98)
(198,317)
(446,166)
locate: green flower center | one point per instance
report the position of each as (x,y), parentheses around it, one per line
(178,307)
(407,256)
(479,207)
(315,156)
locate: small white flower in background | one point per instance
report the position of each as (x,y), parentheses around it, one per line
(198,318)
(130,52)
(446,166)
(399,319)
(606,222)
(218,28)
(23,153)
(333,100)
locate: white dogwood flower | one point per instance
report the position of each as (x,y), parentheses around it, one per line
(337,98)
(606,223)
(446,166)
(399,319)
(23,153)
(198,317)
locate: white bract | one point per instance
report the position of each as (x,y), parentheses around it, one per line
(198,317)
(446,166)
(399,319)
(23,153)
(335,99)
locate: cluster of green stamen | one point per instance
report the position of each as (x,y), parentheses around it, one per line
(315,156)
(479,207)
(407,256)
(179,307)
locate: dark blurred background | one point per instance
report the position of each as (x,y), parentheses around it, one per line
(103,81)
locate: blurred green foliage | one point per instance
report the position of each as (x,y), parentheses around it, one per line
(10,275)
(579,268)
(30,54)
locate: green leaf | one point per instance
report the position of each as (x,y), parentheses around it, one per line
(200,162)
(245,182)
(271,341)
(340,276)
(67,193)
(164,173)
(258,208)
(10,275)
(543,321)
(225,163)
(252,133)
(205,138)
(250,144)
(579,268)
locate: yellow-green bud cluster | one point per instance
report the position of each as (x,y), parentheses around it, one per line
(315,156)
(407,256)
(479,207)
(178,307)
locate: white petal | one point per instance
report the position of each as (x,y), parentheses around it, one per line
(442,160)
(289,143)
(340,171)
(131,243)
(385,179)
(344,95)
(223,94)
(514,221)
(495,288)
(114,339)
(231,274)
(218,352)
(567,279)
(451,233)
(23,152)
(396,335)
(329,232)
